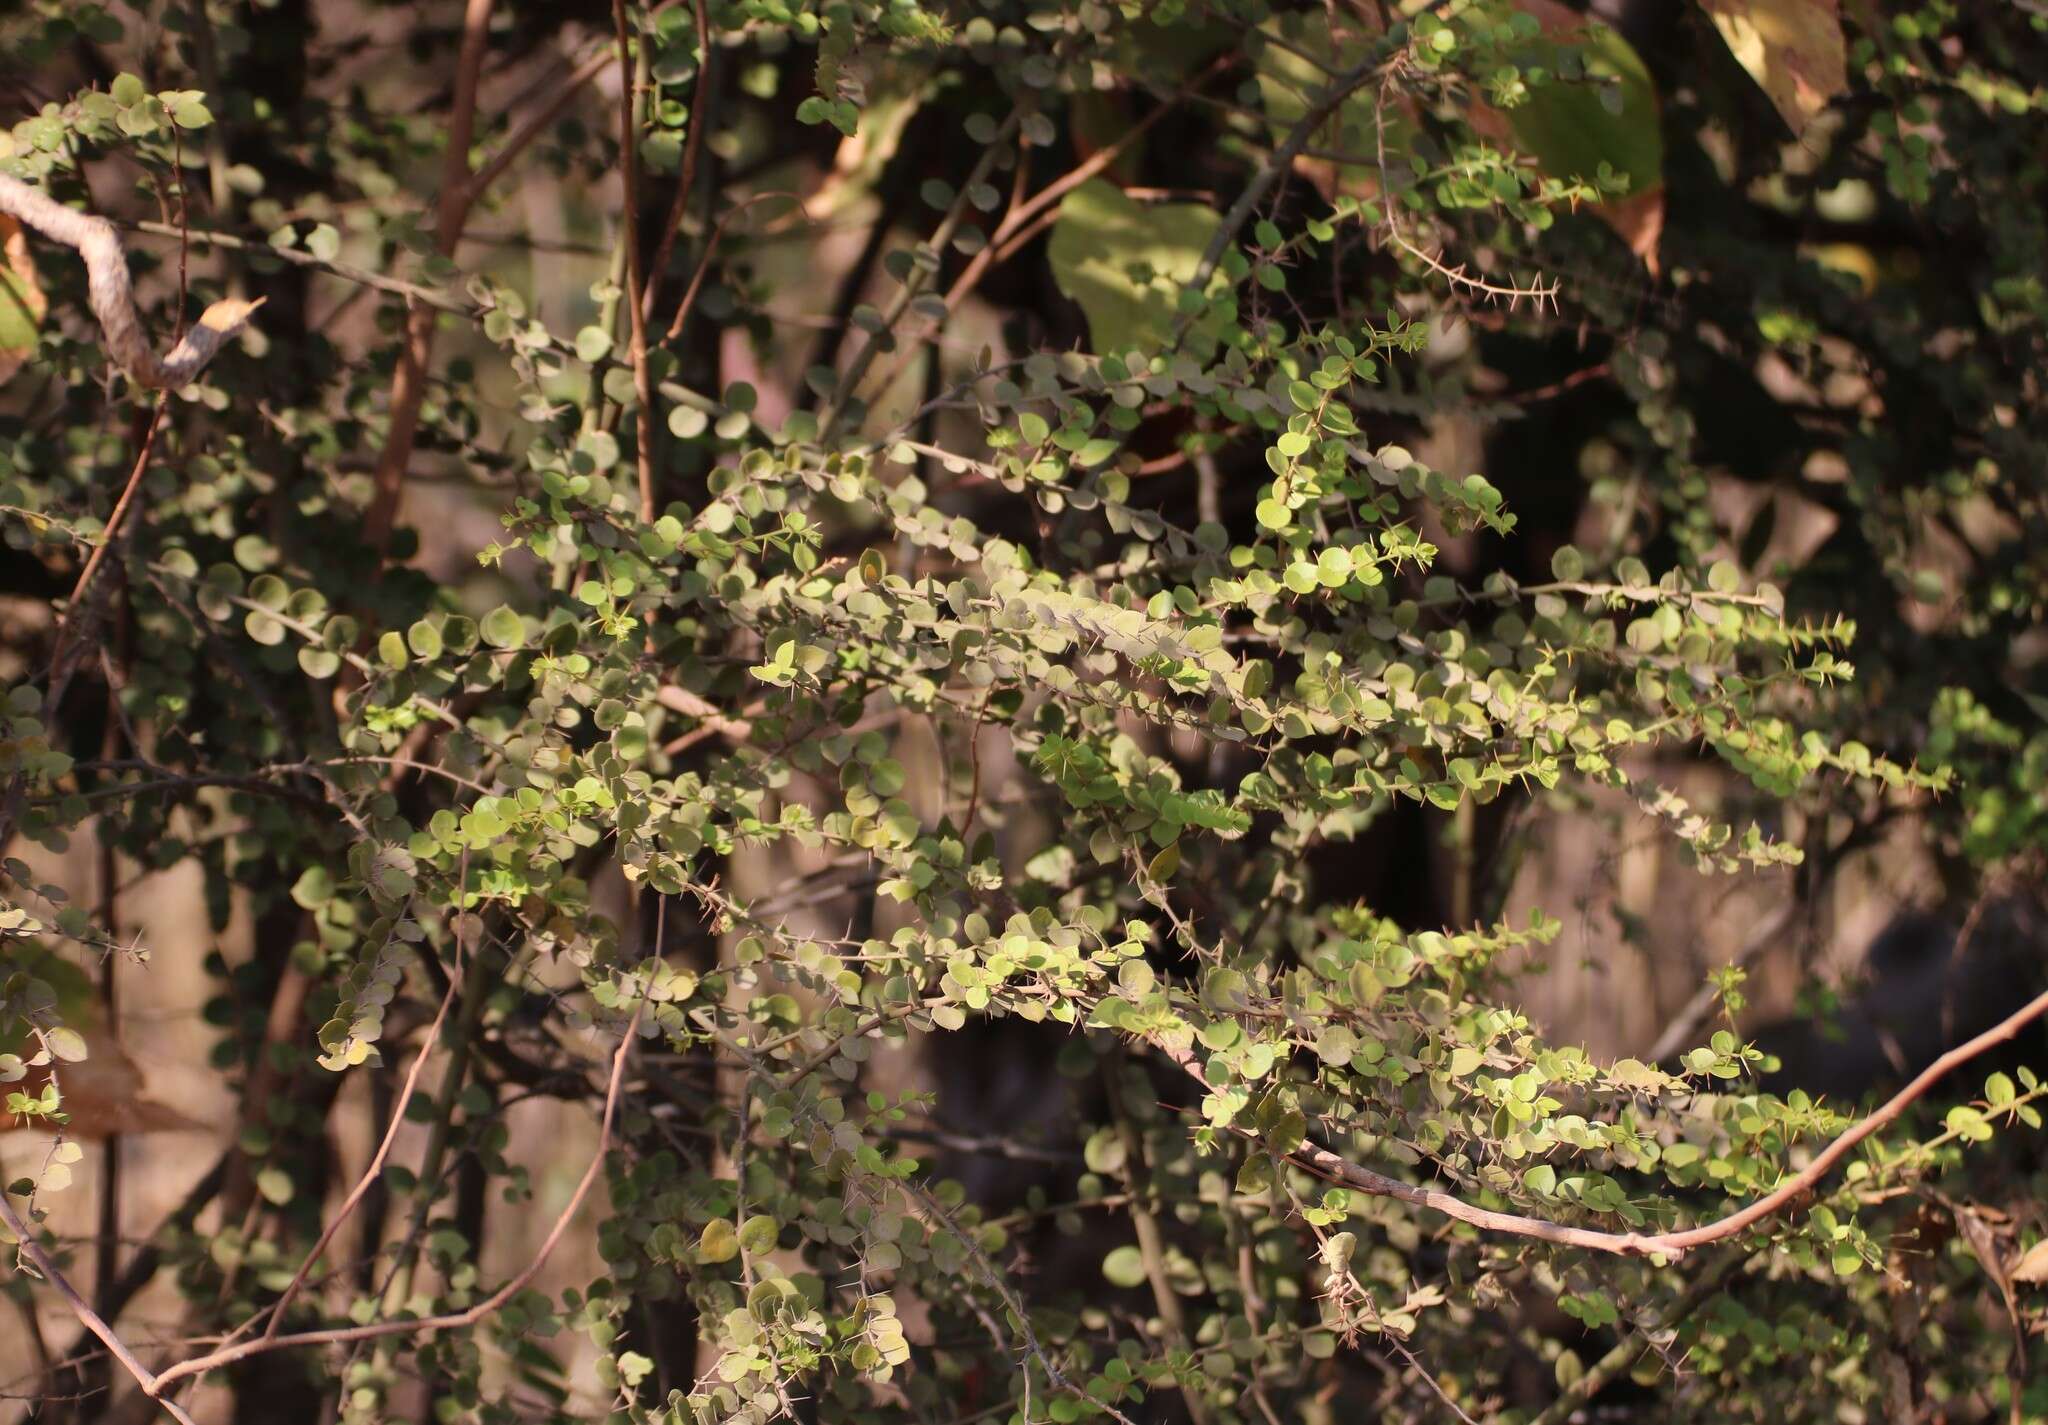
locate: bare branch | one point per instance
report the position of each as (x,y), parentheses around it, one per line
(371,1172)
(47,1268)
(409,385)
(113,301)
(454,1320)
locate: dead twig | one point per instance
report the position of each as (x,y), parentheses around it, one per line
(112,297)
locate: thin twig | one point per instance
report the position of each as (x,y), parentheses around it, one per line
(409,384)
(1678,1034)
(449,1321)
(675,326)
(686,180)
(297,257)
(629,238)
(1145,1223)
(77,621)
(1436,1388)
(370,1173)
(82,1309)
(924,264)
(1632,1343)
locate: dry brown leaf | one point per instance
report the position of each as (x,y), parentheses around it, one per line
(1984,1246)
(1639,219)
(104,1095)
(1792,48)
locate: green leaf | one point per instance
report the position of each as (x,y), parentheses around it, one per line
(1568,129)
(1096,451)
(66,1044)
(22,308)
(503,628)
(1125,263)
(1124,1267)
(719,1242)
(757,1234)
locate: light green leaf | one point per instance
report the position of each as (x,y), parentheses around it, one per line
(1125,262)
(1124,1267)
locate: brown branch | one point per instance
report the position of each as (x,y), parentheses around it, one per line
(675,327)
(712,721)
(1277,163)
(531,128)
(77,621)
(449,1321)
(925,263)
(1000,246)
(629,238)
(370,1173)
(90,1319)
(1324,1164)
(409,385)
(1028,218)
(561,93)
(686,179)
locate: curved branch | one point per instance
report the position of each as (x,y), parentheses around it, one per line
(47,1268)
(113,299)
(454,1320)
(1328,1165)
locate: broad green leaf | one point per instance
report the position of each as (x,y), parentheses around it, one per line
(1125,262)
(1569,129)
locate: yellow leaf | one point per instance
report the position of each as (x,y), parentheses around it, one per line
(2032,1268)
